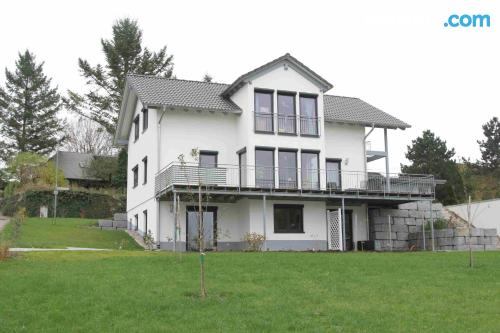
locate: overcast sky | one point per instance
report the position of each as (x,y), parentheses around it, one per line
(396,55)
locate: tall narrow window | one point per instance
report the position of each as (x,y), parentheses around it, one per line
(310,170)
(264,168)
(136,128)
(145,167)
(287,163)
(333,174)
(136,218)
(242,159)
(145,217)
(145,116)
(264,111)
(286,113)
(135,172)
(208,172)
(308,115)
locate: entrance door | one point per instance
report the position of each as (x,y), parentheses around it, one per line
(209,228)
(349,245)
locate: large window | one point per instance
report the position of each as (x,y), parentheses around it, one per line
(264,168)
(145,119)
(310,170)
(136,128)
(264,111)
(135,172)
(286,113)
(308,115)
(288,219)
(333,174)
(287,162)
(145,169)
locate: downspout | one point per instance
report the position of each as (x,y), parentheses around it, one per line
(158,158)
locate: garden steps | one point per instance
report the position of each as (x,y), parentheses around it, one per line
(138,238)
(119,221)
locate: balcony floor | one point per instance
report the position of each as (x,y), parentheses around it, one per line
(232,194)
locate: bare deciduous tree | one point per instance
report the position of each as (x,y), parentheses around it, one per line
(87,136)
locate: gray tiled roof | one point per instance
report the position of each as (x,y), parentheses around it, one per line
(157,91)
(355,111)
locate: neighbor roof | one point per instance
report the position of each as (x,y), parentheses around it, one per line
(356,111)
(288,58)
(163,92)
(75,165)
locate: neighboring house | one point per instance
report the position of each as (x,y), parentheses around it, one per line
(483,214)
(278,157)
(75,167)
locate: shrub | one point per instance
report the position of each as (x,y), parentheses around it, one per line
(149,240)
(4,252)
(254,241)
(438,224)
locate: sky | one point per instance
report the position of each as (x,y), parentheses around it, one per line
(396,55)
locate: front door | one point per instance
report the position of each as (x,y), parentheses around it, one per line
(349,245)
(209,228)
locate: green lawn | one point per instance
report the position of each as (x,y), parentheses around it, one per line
(135,291)
(37,232)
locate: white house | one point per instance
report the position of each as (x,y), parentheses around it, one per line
(278,156)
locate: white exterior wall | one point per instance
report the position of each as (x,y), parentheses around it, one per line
(181,131)
(346,142)
(142,197)
(484,214)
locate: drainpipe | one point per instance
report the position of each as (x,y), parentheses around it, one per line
(386,144)
(158,158)
(264,221)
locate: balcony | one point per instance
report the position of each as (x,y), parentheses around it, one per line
(308,126)
(236,179)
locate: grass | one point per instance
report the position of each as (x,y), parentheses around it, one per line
(135,291)
(43,233)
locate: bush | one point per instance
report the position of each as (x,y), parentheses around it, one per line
(78,204)
(4,252)
(149,240)
(254,241)
(438,224)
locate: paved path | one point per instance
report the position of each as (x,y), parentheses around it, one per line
(3,222)
(34,249)
(138,238)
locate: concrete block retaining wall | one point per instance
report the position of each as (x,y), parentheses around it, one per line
(409,218)
(456,239)
(406,230)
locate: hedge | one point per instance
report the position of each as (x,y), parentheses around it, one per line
(69,204)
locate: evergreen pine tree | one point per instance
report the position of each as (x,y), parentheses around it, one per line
(490,148)
(430,155)
(28,110)
(124,54)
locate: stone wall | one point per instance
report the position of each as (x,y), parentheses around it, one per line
(406,230)
(408,219)
(456,239)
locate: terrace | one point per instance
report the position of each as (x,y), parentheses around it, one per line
(292,181)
